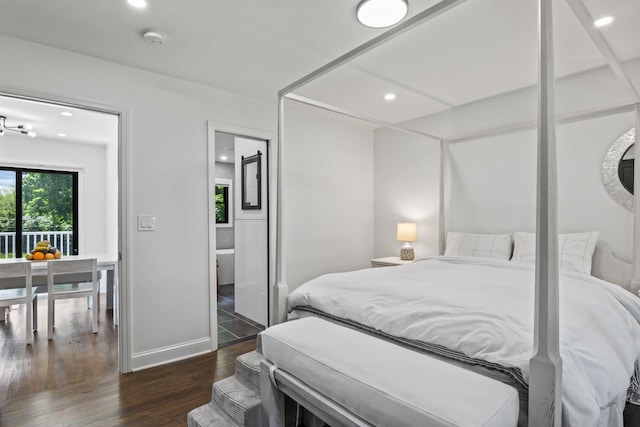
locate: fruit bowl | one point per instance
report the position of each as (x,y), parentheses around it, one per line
(43,252)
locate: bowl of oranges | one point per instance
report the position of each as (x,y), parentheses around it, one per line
(43,252)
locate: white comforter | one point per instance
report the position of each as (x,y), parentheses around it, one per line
(484,309)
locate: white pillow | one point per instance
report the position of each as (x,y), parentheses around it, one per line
(479,245)
(576,250)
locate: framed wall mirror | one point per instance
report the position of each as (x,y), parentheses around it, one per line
(252,182)
(618,169)
(626,168)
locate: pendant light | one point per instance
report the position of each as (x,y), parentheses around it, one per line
(21,129)
(381,13)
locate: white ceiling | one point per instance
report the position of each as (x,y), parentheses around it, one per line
(83,126)
(256,47)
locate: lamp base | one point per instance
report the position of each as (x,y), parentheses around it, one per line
(406,253)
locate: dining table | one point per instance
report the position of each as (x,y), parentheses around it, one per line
(108,264)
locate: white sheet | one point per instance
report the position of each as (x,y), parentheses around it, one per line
(484,309)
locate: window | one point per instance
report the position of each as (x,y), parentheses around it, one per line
(224,208)
(222,204)
(47,204)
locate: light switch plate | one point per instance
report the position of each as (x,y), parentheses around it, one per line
(146,223)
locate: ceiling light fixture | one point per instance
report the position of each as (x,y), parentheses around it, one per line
(390,96)
(62,134)
(381,13)
(22,129)
(67,113)
(605,20)
(154,37)
(140,4)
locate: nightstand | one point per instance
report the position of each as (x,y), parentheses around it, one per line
(388,261)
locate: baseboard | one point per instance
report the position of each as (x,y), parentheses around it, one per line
(173,353)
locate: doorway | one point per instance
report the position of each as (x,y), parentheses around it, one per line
(241,236)
(81,145)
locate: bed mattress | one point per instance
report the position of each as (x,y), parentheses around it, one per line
(384,384)
(483,311)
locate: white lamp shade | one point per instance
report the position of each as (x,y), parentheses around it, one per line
(407,232)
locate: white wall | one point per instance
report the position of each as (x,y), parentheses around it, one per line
(329,193)
(493,183)
(111,197)
(91,163)
(492,180)
(329,181)
(407,175)
(167,154)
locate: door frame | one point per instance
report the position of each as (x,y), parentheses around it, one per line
(270,138)
(123,271)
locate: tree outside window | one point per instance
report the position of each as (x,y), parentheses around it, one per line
(47,203)
(222,204)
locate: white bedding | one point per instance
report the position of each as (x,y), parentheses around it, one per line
(484,309)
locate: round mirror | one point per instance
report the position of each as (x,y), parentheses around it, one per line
(625,169)
(617,169)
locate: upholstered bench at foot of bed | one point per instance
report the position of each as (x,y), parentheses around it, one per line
(380,383)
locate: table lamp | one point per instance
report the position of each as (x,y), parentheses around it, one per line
(406,233)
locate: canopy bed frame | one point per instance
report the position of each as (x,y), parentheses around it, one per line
(545,387)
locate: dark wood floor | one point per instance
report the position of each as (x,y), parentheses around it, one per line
(74,381)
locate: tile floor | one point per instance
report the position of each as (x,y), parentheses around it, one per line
(233,327)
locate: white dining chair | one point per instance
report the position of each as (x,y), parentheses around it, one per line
(76,278)
(16,288)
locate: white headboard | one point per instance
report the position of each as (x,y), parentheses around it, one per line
(607,266)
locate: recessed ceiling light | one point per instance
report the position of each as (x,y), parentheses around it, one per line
(62,134)
(223,157)
(140,4)
(381,13)
(390,96)
(32,134)
(67,113)
(605,20)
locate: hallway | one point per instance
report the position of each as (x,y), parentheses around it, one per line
(233,327)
